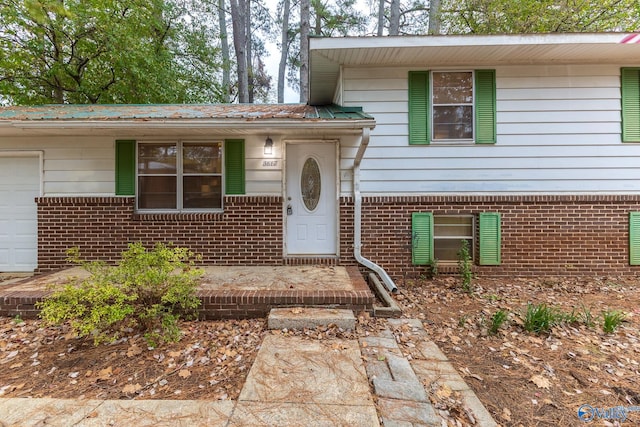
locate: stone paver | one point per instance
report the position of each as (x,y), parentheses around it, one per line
(303,415)
(414,413)
(94,413)
(310,318)
(399,383)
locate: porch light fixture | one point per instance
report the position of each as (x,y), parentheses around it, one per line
(268,146)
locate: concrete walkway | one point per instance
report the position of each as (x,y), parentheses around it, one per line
(293,382)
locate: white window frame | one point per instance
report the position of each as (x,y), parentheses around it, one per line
(179,175)
(432,105)
(458,238)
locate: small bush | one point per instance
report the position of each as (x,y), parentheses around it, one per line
(611,320)
(541,318)
(432,268)
(148,290)
(464,267)
(497,320)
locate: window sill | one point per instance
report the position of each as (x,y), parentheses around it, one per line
(178,216)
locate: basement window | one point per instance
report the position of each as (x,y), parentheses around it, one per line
(448,233)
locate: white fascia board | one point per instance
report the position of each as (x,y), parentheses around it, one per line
(334,43)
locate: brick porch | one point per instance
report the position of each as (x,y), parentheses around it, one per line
(224,301)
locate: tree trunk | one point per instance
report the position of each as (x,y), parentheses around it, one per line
(226,60)
(380,18)
(434,17)
(284,49)
(304,50)
(250,71)
(240,45)
(394,18)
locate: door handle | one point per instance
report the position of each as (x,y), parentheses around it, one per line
(289,210)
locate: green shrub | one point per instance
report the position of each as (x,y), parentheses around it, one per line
(541,318)
(497,320)
(432,268)
(611,320)
(464,266)
(149,290)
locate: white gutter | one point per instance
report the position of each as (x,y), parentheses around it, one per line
(187,123)
(357,216)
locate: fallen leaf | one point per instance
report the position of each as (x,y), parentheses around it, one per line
(184,373)
(134,350)
(174,354)
(506,414)
(444,391)
(105,373)
(131,388)
(540,381)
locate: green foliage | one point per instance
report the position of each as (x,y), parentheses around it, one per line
(611,320)
(105,51)
(149,290)
(432,268)
(583,315)
(539,318)
(538,16)
(497,320)
(464,266)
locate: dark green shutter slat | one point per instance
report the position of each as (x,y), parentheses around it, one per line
(490,239)
(125,168)
(485,106)
(419,102)
(234,166)
(634,238)
(421,238)
(630,84)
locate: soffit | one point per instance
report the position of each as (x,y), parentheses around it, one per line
(328,55)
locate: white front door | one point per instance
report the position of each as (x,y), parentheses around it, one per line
(311,199)
(19,186)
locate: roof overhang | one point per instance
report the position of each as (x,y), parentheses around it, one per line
(328,55)
(181,120)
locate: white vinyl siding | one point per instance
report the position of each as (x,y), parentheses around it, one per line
(558,131)
(85,165)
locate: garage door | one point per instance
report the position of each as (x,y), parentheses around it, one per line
(19,186)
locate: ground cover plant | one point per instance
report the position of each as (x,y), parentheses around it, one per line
(148,290)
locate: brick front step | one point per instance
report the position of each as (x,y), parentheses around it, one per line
(225,303)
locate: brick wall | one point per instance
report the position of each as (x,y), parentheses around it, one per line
(249,231)
(541,235)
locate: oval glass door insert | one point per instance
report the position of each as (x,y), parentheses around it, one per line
(310,184)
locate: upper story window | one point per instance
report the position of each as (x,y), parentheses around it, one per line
(452,106)
(179,176)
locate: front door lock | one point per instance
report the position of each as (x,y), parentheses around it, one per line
(289,210)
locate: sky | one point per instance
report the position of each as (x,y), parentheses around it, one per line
(271,62)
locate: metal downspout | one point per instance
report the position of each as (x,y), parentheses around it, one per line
(357,217)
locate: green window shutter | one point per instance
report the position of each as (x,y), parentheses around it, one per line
(485,106)
(234,166)
(630,86)
(421,238)
(634,238)
(419,104)
(125,168)
(490,239)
